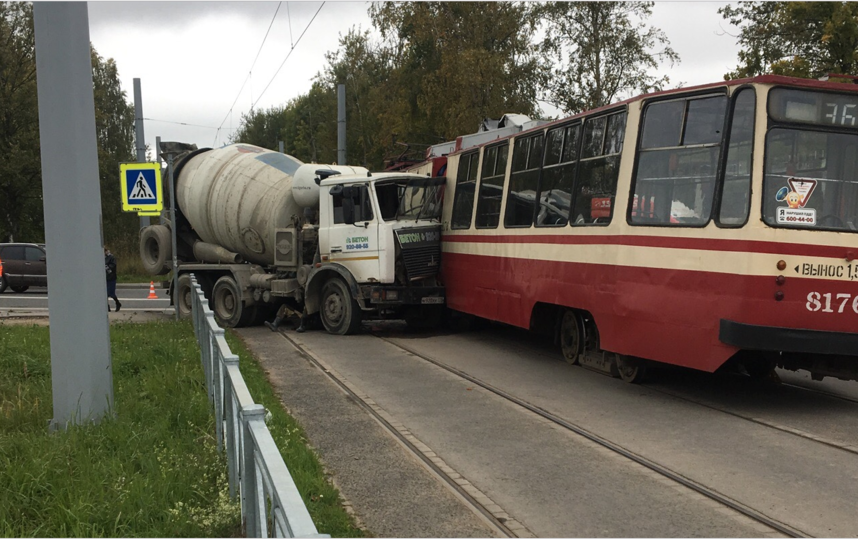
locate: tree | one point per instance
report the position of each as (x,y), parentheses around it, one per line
(455,64)
(365,69)
(20,164)
(599,53)
(802,39)
(21,207)
(306,125)
(114,130)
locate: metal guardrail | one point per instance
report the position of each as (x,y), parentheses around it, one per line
(256,468)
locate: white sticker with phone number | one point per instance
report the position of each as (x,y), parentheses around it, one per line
(832,302)
(796,216)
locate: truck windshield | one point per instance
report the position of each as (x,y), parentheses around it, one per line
(410,199)
(811,179)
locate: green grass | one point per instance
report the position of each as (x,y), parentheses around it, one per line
(129,267)
(149,470)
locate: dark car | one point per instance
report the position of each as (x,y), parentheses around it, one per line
(24,265)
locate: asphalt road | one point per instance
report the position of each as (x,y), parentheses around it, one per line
(34,301)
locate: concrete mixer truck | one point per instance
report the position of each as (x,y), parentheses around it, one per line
(260,229)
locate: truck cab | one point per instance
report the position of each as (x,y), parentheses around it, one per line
(381,234)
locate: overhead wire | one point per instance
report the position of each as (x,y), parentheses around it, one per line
(231,107)
(288,55)
(180,123)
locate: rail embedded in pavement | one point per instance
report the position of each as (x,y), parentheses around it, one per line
(257,472)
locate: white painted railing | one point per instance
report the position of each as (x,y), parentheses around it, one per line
(256,469)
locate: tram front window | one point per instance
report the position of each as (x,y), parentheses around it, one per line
(811,179)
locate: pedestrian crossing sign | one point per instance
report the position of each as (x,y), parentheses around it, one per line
(141,187)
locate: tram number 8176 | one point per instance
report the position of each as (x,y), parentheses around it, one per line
(817,302)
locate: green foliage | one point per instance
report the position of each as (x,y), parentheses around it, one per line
(599,54)
(114,129)
(441,68)
(20,165)
(152,469)
(802,39)
(456,63)
(306,125)
(21,211)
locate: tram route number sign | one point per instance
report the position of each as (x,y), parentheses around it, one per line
(141,187)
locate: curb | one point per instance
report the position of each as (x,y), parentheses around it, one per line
(158,285)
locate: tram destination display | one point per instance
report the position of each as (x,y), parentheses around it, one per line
(818,108)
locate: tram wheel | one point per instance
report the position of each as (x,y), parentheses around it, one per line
(571,336)
(758,367)
(631,369)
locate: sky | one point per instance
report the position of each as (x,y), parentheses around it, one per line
(194,59)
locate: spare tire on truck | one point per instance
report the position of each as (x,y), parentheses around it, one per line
(156,249)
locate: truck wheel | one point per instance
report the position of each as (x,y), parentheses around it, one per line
(156,249)
(340,312)
(3,283)
(183,300)
(228,308)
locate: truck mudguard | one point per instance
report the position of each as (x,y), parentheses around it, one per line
(318,277)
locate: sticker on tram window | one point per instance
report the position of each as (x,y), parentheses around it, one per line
(787,215)
(832,302)
(797,193)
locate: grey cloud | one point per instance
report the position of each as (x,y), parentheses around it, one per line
(176,14)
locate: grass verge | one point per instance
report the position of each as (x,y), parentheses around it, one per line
(129,267)
(150,470)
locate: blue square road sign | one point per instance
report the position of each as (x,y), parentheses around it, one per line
(141,187)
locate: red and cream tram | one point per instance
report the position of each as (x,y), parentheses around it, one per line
(687,227)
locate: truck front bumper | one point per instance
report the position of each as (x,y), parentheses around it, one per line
(382,295)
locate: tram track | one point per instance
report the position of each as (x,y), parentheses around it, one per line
(476,501)
(767,423)
(820,392)
(657,468)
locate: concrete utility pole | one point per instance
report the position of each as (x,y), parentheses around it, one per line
(138,135)
(341,124)
(81,371)
(282,151)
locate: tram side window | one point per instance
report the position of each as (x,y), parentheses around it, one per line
(558,176)
(523,180)
(678,161)
(463,200)
(596,183)
(736,190)
(491,187)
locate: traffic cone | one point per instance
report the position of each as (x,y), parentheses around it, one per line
(152,295)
